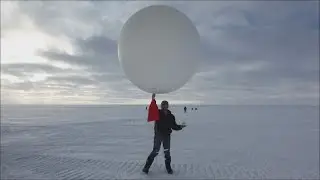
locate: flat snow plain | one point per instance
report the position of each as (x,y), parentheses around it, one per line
(113,142)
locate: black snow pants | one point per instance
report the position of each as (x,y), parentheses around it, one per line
(158,139)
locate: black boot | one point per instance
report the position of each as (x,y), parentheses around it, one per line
(168,161)
(145,170)
(147,165)
(168,167)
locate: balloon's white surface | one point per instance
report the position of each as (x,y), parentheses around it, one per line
(158,49)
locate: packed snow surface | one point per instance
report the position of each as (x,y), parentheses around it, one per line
(113,142)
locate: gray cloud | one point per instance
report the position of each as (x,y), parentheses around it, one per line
(76,80)
(25,86)
(255,51)
(285,43)
(98,53)
(22,69)
(29,67)
(100,45)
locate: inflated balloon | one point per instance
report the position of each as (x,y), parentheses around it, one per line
(158,49)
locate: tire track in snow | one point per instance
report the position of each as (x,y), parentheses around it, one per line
(74,168)
(133,168)
(184,168)
(211,172)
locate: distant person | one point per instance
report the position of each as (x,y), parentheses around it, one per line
(185,109)
(146,107)
(192,109)
(162,134)
(196,109)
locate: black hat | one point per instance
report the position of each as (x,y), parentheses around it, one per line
(164,103)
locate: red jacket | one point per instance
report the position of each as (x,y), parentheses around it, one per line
(153,113)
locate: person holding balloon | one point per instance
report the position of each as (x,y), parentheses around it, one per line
(159,50)
(163,126)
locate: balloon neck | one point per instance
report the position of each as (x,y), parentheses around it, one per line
(155,91)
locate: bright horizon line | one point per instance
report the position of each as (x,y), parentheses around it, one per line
(174,104)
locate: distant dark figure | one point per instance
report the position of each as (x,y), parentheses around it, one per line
(185,109)
(192,109)
(196,109)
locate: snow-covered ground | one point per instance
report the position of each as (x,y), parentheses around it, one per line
(113,142)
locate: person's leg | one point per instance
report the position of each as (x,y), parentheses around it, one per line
(167,156)
(156,147)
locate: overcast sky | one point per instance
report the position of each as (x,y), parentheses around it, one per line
(256,52)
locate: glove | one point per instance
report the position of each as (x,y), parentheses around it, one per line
(183,125)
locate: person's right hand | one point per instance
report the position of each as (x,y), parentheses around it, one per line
(153,95)
(183,125)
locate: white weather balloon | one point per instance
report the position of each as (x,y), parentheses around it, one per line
(158,49)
